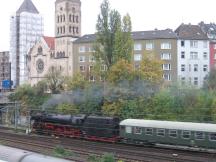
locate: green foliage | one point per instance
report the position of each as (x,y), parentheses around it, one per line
(210,83)
(150,70)
(75,82)
(59,151)
(114,41)
(29,97)
(105,158)
(66,108)
(121,71)
(54,80)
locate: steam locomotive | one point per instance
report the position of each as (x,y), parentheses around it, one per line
(79,126)
(129,131)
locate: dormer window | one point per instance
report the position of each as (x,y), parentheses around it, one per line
(40,50)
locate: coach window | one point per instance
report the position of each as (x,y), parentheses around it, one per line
(186,134)
(160,132)
(212,137)
(173,133)
(149,131)
(128,129)
(137,130)
(199,136)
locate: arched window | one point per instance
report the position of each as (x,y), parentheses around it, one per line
(77,30)
(70,17)
(77,19)
(63,29)
(58,19)
(40,50)
(61,18)
(63,54)
(70,29)
(73,30)
(73,18)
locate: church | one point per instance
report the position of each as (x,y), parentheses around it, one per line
(57,51)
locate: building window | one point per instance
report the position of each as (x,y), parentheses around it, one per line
(91,59)
(160,132)
(205,44)
(194,55)
(186,134)
(149,131)
(182,67)
(166,66)
(199,136)
(82,68)
(195,67)
(149,46)
(183,81)
(77,19)
(103,68)
(167,77)
(205,68)
(182,43)
(92,78)
(137,47)
(205,55)
(194,44)
(196,81)
(183,55)
(173,133)
(82,49)
(166,46)
(137,57)
(81,58)
(137,130)
(166,56)
(91,68)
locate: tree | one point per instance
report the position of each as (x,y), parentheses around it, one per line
(54,80)
(113,39)
(210,82)
(121,71)
(75,82)
(66,108)
(150,70)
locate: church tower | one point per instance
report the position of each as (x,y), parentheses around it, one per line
(67,28)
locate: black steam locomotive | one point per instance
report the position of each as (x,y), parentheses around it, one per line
(80,126)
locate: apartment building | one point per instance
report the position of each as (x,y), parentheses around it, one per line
(210,31)
(161,44)
(193,55)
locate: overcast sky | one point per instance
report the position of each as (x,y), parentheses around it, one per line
(145,14)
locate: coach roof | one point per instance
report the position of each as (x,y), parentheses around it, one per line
(202,127)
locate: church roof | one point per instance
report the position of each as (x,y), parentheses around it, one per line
(50,41)
(27,6)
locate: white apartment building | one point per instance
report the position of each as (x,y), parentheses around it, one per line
(193,55)
(25,30)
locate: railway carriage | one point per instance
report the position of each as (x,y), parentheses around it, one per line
(167,132)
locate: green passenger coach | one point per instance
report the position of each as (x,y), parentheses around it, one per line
(167,132)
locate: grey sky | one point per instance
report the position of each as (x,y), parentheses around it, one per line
(145,14)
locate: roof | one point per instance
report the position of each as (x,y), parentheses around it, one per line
(86,38)
(190,32)
(203,127)
(137,35)
(154,34)
(27,6)
(50,41)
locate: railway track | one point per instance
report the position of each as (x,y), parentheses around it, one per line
(82,149)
